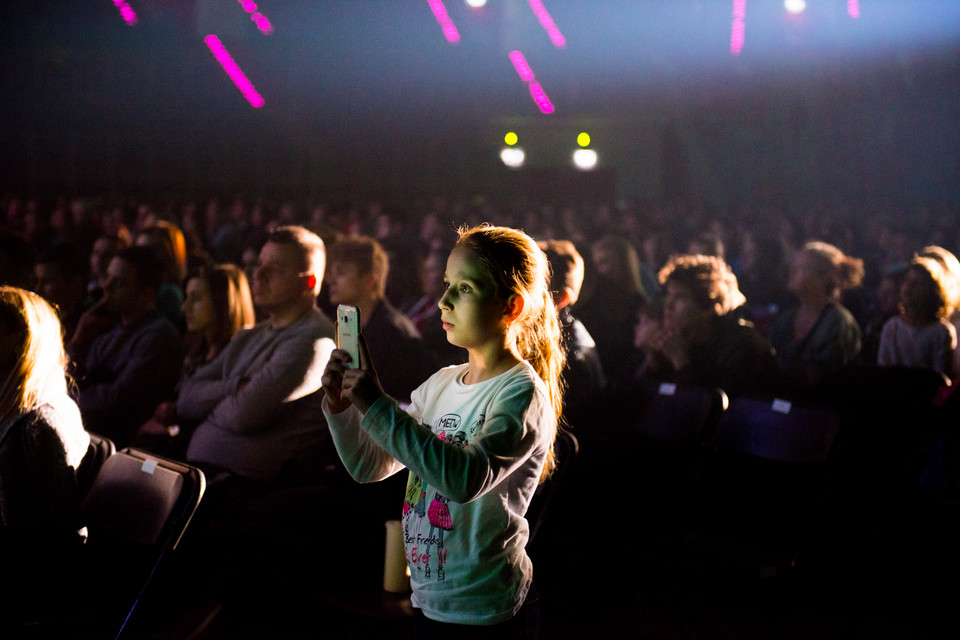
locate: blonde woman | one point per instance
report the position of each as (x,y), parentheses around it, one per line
(42,441)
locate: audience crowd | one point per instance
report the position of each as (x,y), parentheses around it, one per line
(199,329)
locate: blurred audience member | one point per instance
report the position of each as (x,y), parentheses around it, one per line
(951,286)
(357,275)
(583,374)
(127,370)
(104,248)
(171,246)
(611,301)
(16,260)
(920,336)
(42,442)
(700,341)
(425,311)
(817,336)
(885,304)
(60,276)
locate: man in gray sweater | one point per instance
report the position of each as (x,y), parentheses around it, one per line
(257,404)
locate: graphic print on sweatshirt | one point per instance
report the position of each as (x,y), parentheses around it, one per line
(426,513)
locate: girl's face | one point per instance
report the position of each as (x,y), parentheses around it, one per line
(470,309)
(197,306)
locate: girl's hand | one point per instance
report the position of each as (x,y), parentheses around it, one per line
(360,383)
(332,381)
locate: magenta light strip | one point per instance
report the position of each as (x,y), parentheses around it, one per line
(239,79)
(540,97)
(126,12)
(853,8)
(738,28)
(547,23)
(526,74)
(520,64)
(440,13)
(258,18)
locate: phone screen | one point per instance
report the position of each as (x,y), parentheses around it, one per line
(348,332)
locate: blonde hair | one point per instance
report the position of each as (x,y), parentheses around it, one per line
(517,266)
(843,271)
(38,367)
(951,268)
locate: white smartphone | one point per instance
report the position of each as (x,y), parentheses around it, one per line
(348,332)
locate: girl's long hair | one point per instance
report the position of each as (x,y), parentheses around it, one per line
(518,266)
(38,367)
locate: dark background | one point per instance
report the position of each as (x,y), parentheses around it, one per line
(365,98)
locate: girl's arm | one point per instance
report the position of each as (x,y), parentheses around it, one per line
(362,457)
(517,425)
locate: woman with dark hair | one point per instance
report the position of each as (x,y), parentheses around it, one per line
(817,336)
(699,340)
(921,336)
(217,306)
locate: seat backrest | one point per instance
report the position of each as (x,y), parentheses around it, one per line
(99,449)
(769,465)
(676,412)
(777,430)
(136,511)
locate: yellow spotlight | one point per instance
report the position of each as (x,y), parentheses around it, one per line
(511,138)
(583,139)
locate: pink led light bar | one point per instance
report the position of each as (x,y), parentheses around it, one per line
(239,79)
(738,28)
(853,8)
(540,97)
(526,74)
(547,23)
(520,64)
(258,18)
(440,13)
(126,12)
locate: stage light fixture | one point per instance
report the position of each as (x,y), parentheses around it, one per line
(476,4)
(263,24)
(446,24)
(128,14)
(795,6)
(583,139)
(512,157)
(520,64)
(584,159)
(738,27)
(547,23)
(236,74)
(540,97)
(511,138)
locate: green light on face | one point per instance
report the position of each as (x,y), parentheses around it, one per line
(511,138)
(583,139)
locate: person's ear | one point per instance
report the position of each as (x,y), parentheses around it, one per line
(514,307)
(563,298)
